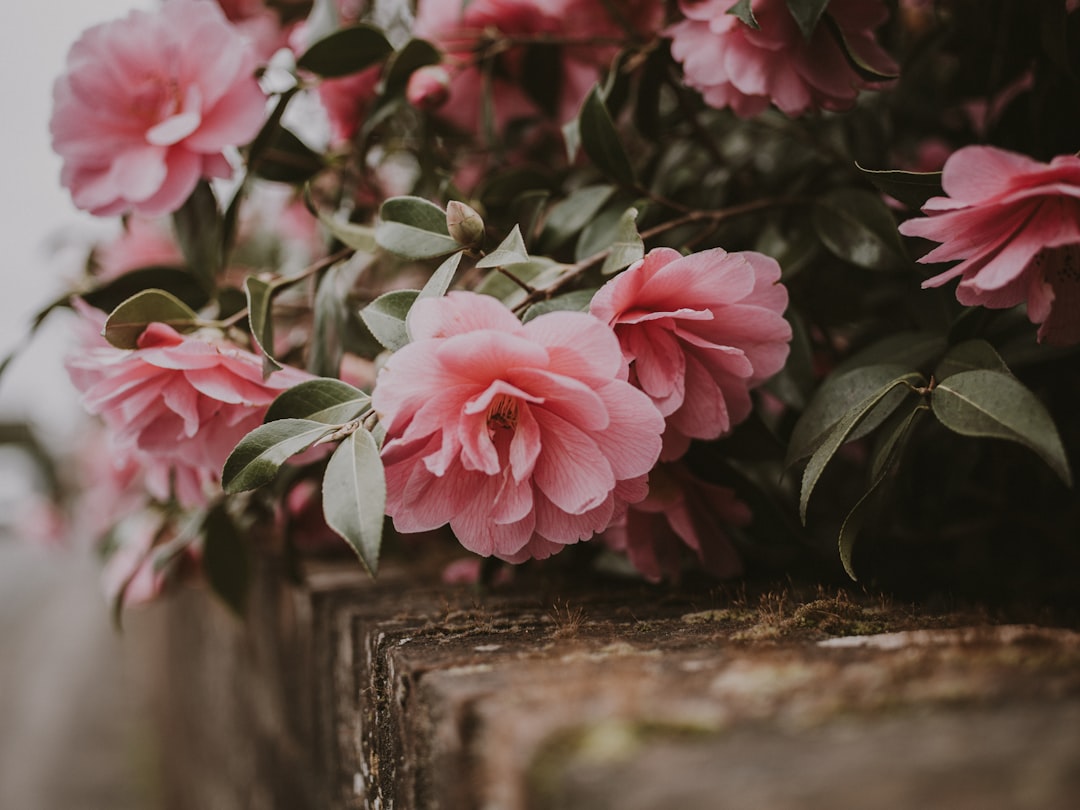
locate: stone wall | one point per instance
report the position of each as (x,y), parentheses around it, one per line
(405,693)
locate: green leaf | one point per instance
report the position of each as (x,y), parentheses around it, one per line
(971,355)
(385,317)
(627,247)
(841,432)
(836,397)
(174,280)
(347,50)
(887,456)
(510,251)
(600,140)
(744,12)
(287,159)
(324,400)
(441,279)
(414,228)
(914,349)
(993,404)
(354,496)
(854,59)
(259,300)
(332,315)
(911,188)
(226,560)
(255,461)
(576,301)
(806,14)
(856,226)
(413,55)
(569,216)
(199,232)
(129,320)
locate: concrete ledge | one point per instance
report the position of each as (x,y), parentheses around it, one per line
(342,693)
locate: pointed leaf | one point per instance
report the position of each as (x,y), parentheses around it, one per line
(128,321)
(226,559)
(576,301)
(744,12)
(854,58)
(840,433)
(600,140)
(993,404)
(510,251)
(347,50)
(836,397)
(567,217)
(413,55)
(627,247)
(259,299)
(806,14)
(255,461)
(414,228)
(354,496)
(332,316)
(287,159)
(324,400)
(350,234)
(914,349)
(971,355)
(856,226)
(911,188)
(199,229)
(175,280)
(385,317)
(887,456)
(441,279)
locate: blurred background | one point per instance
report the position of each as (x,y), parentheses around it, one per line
(75,721)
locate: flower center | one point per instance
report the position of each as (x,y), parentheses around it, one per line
(503,414)
(155,99)
(1060,265)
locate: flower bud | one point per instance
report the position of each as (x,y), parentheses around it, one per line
(464,224)
(428,88)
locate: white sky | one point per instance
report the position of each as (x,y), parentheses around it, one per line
(34,210)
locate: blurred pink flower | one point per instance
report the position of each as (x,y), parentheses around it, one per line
(733,65)
(524,438)
(699,332)
(1015,224)
(142,243)
(459,28)
(429,87)
(681,512)
(133,574)
(147,105)
(346,101)
(177,404)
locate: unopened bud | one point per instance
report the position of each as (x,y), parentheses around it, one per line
(464,224)
(428,87)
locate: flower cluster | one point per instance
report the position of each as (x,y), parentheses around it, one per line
(533,272)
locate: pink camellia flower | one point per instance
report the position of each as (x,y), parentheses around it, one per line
(524,438)
(429,87)
(681,512)
(148,104)
(178,404)
(733,65)
(459,28)
(1015,223)
(142,243)
(699,332)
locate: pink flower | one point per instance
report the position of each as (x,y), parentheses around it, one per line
(429,87)
(459,28)
(1015,224)
(733,65)
(178,404)
(699,332)
(681,512)
(143,243)
(346,101)
(524,438)
(148,104)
